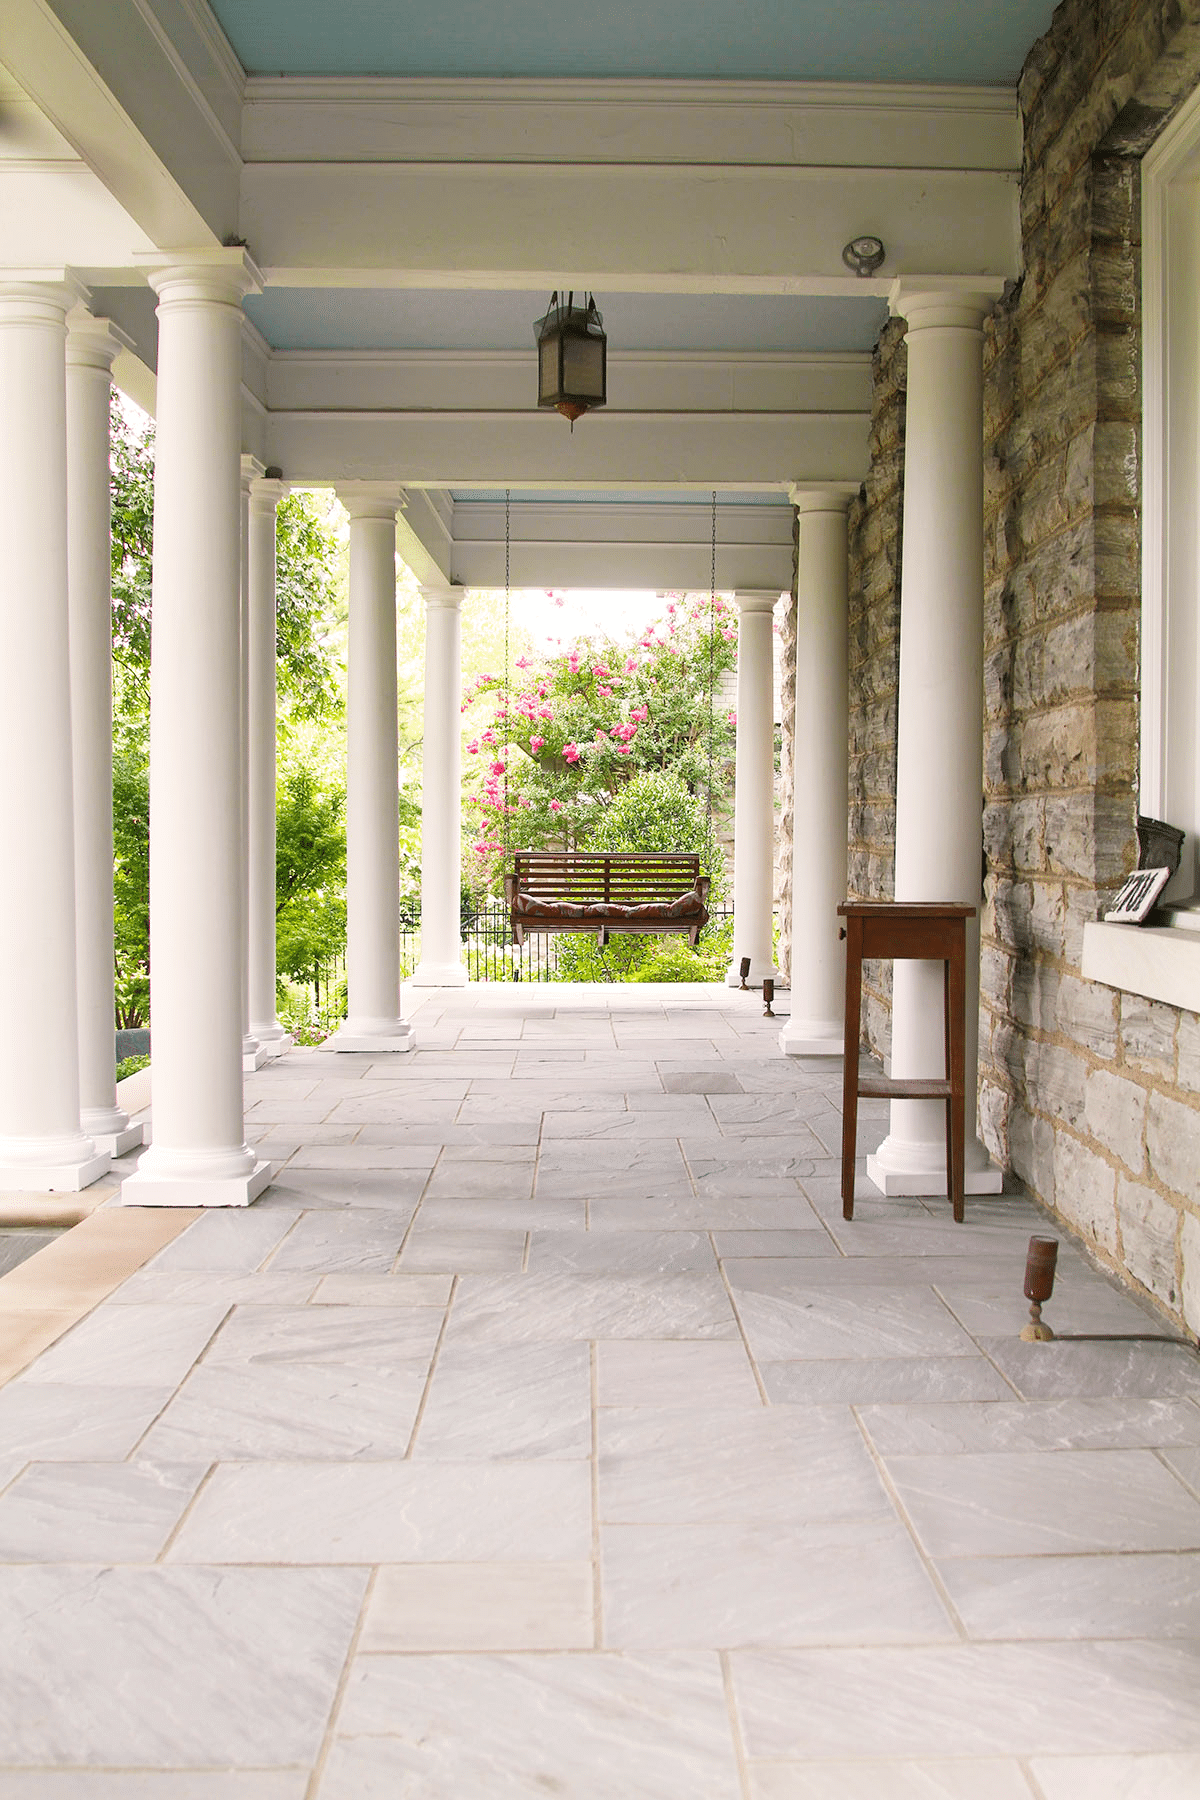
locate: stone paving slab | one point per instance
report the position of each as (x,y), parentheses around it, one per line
(545,1429)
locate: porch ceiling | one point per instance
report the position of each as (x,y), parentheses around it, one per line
(808,40)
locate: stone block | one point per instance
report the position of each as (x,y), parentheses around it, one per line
(994,1104)
(1117,554)
(1187,1047)
(1085,1189)
(1149,1227)
(1031,1147)
(1070,835)
(1148,1031)
(1012,903)
(1115,1115)
(1118,476)
(1047,914)
(1035,988)
(1058,1082)
(1173,1140)
(1087,1014)
(1189,1262)
(995,976)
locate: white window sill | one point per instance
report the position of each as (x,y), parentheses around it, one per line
(1159,962)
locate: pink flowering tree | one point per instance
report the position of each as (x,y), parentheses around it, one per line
(553,750)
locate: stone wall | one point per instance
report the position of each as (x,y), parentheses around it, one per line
(1090,1095)
(874,524)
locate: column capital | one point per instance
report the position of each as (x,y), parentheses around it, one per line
(960,301)
(252,470)
(371,499)
(266,491)
(448,597)
(93,342)
(757,600)
(218,275)
(819,497)
(42,296)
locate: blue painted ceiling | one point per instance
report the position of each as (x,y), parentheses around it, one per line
(422,319)
(801,40)
(624,496)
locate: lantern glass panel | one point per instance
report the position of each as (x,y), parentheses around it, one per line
(583,367)
(548,387)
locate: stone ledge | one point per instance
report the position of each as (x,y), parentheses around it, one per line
(1160,964)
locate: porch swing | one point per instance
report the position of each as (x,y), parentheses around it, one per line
(657,893)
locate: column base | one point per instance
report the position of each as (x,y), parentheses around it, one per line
(920,1169)
(110,1130)
(183,1190)
(435,975)
(368,1040)
(254,1055)
(55,1175)
(813,1037)
(119,1143)
(274,1042)
(759,972)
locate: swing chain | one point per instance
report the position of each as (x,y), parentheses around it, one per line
(712,667)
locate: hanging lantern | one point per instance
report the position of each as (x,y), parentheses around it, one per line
(572,357)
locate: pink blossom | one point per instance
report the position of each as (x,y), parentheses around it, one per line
(728,636)
(732,717)
(631,664)
(535,744)
(556,806)
(473,747)
(559,600)
(602,737)
(482,680)
(498,768)
(524,801)
(464,706)
(541,690)
(600,672)
(624,749)
(487,737)
(523,662)
(640,713)
(671,607)
(605,693)
(571,753)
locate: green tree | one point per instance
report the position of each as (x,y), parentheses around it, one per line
(131,885)
(310,874)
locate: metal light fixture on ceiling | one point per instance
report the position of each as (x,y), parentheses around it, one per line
(572,357)
(864,255)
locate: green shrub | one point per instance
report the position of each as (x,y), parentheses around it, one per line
(129,1065)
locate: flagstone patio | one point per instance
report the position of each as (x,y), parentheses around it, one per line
(545,1431)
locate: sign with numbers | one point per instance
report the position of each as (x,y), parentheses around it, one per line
(1138,896)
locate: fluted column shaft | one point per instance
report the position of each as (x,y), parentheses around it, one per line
(91,346)
(754,791)
(819,777)
(265,1028)
(41,1144)
(197,901)
(373,1024)
(441,962)
(939,773)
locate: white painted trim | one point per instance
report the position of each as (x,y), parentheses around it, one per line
(646,91)
(1170,613)
(208,27)
(200,100)
(1160,964)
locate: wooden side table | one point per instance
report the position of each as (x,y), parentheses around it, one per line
(926,931)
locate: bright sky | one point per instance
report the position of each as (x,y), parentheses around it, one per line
(559,617)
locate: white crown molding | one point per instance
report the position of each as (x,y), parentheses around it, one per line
(791,359)
(660,91)
(208,27)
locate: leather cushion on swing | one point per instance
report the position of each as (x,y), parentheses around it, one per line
(534,906)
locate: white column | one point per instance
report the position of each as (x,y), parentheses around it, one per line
(754,792)
(41,1144)
(265,1028)
(254,1054)
(374,1023)
(441,962)
(819,776)
(939,772)
(91,346)
(199,1156)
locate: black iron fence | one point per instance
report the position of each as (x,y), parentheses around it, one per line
(488,952)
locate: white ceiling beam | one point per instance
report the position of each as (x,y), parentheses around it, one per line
(665,229)
(607,450)
(641,380)
(423,536)
(824,124)
(114,83)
